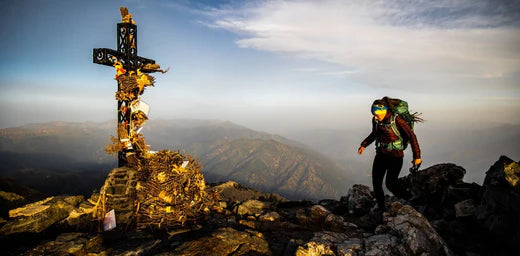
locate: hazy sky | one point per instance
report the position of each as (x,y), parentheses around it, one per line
(268,65)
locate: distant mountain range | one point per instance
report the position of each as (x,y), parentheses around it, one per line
(471,147)
(69,157)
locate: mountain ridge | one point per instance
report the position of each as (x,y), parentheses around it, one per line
(84,142)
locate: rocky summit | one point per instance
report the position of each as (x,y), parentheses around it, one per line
(446,216)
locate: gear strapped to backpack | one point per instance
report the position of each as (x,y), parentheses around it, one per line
(399,107)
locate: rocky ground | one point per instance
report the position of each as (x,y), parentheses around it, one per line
(446,216)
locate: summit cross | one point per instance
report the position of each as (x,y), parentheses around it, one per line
(126,56)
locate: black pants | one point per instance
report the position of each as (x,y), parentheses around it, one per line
(391,166)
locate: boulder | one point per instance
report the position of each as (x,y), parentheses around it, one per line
(437,189)
(323,218)
(38,216)
(8,201)
(314,249)
(318,213)
(431,183)
(248,223)
(465,208)
(381,245)
(146,248)
(233,192)
(269,217)
(335,206)
(350,247)
(359,199)
(29,195)
(416,233)
(504,173)
(71,244)
(499,209)
(80,218)
(252,207)
(225,241)
(322,243)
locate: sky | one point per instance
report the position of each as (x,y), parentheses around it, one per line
(269,65)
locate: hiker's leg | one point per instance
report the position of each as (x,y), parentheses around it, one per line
(392,183)
(378,173)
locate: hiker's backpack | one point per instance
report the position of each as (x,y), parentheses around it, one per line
(400,107)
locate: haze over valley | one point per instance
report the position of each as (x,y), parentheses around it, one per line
(310,164)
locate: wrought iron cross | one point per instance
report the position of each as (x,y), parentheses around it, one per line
(127,54)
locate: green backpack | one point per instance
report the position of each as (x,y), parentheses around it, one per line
(402,109)
(399,107)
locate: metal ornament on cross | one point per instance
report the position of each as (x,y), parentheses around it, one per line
(125,56)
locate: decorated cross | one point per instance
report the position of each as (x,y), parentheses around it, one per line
(130,80)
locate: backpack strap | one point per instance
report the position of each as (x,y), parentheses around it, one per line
(394,127)
(395,145)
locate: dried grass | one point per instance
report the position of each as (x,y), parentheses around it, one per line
(169,194)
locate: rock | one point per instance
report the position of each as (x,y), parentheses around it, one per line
(334,206)
(220,207)
(499,210)
(8,201)
(359,199)
(248,223)
(147,248)
(431,183)
(437,189)
(176,232)
(350,247)
(269,217)
(80,218)
(38,216)
(318,213)
(30,195)
(370,220)
(381,245)
(253,207)
(291,247)
(322,243)
(322,217)
(31,209)
(231,221)
(225,241)
(382,229)
(465,208)
(302,217)
(70,244)
(329,237)
(231,192)
(504,173)
(337,223)
(414,229)
(118,193)
(314,249)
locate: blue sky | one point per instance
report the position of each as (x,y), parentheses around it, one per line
(268,65)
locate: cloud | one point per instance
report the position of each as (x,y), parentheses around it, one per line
(417,45)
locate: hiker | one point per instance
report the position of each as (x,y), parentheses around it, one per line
(391,132)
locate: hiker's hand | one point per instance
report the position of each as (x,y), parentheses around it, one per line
(360,150)
(417,161)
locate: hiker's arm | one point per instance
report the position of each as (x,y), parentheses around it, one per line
(403,126)
(371,137)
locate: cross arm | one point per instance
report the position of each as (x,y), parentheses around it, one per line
(104,56)
(143,61)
